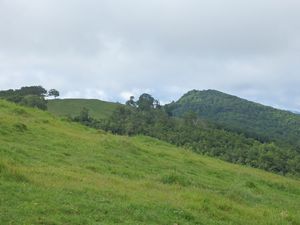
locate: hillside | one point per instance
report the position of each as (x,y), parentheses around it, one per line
(72,107)
(255,120)
(56,172)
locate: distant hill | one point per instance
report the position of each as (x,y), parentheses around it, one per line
(56,172)
(296,112)
(97,109)
(255,120)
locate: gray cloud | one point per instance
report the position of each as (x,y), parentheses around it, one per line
(110,49)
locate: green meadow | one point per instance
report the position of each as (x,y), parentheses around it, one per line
(53,172)
(72,107)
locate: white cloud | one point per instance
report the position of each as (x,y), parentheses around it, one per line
(125,95)
(87,93)
(112,48)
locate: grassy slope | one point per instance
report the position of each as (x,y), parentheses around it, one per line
(98,109)
(55,172)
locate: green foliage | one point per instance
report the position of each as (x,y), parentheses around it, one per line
(34,101)
(190,118)
(33,96)
(200,136)
(232,113)
(53,92)
(84,115)
(32,90)
(131,102)
(63,173)
(145,102)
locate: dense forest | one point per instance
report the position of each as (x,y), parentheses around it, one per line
(254,120)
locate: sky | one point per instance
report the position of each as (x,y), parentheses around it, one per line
(112,49)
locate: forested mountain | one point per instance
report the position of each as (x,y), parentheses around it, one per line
(252,119)
(53,171)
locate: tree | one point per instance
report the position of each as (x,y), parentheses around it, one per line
(84,115)
(156,104)
(54,93)
(32,90)
(145,102)
(34,101)
(18,95)
(131,102)
(190,118)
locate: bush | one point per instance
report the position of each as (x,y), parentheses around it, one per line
(34,101)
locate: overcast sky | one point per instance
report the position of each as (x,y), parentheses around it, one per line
(111,49)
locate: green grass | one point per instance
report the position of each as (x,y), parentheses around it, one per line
(56,172)
(72,107)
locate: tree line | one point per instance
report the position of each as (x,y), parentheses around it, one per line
(32,96)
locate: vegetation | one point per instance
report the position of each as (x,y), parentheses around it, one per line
(72,107)
(53,93)
(33,96)
(56,172)
(232,113)
(146,117)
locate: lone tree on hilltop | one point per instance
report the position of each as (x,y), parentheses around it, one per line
(54,93)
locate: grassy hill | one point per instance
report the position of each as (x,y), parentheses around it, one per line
(253,119)
(56,172)
(97,109)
